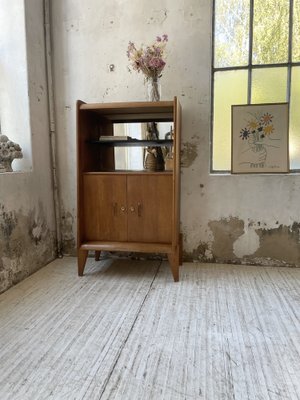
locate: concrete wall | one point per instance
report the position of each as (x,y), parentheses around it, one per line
(248,219)
(27,225)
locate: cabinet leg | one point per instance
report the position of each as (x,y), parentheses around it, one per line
(97,255)
(81,258)
(174,263)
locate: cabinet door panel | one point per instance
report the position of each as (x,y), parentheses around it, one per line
(105,211)
(149,200)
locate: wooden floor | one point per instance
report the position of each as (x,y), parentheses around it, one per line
(126,331)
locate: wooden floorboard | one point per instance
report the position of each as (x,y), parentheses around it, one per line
(125,330)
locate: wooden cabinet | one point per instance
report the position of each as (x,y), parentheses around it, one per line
(104,208)
(149,200)
(126,210)
(120,208)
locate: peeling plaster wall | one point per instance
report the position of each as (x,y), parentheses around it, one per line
(246,219)
(27,224)
(242,219)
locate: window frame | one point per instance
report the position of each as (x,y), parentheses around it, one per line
(249,68)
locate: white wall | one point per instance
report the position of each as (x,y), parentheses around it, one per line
(253,219)
(27,225)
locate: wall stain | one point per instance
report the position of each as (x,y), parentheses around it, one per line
(158,17)
(188,154)
(225,231)
(68,236)
(202,253)
(280,244)
(202,193)
(27,244)
(8,222)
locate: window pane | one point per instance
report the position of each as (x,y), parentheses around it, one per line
(270,31)
(14,85)
(230,88)
(296,31)
(231,33)
(295,120)
(269,85)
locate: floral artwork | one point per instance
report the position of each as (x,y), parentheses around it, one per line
(260,138)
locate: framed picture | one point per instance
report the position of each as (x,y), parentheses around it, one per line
(259,141)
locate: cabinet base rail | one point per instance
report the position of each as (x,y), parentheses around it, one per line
(174,253)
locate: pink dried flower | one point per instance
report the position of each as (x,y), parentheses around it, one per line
(156,63)
(150,59)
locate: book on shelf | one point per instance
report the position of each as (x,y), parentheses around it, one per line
(113,138)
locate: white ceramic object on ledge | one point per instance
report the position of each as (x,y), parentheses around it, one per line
(8,152)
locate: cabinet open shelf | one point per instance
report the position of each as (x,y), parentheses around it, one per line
(132,142)
(126,210)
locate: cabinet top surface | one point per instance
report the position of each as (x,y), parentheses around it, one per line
(129,107)
(132,111)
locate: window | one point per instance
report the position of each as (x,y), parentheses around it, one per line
(256,59)
(14,101)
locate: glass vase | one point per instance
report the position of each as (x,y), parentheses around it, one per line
(153,89)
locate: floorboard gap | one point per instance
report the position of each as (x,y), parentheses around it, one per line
(129,333)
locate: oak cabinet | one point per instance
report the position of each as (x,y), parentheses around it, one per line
(126,210)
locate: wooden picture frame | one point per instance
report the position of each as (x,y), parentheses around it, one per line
(260,138)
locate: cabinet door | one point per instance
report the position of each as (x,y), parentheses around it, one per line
(149,200)
(104,204)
